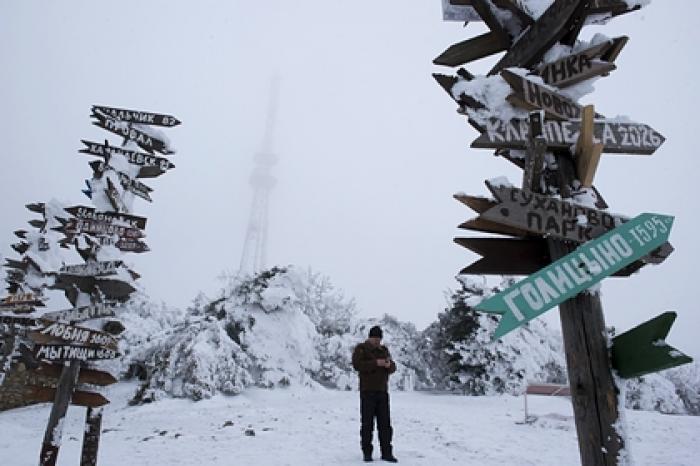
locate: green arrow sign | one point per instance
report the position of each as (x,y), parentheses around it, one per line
(643,350)
(583,268)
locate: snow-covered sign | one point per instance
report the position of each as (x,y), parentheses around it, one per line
(90,213)
(98,228)
(17,299)
(531,96)
(593,61)
(587,265)
(92,268)
(134,186)
(124,244)
(545,32)
(21,321)
(548,216)
(78,398)
(137,116)
(150,165)
(643,349)
(617,138)
(71,352)
(81,313)
(124,129)
(57,331)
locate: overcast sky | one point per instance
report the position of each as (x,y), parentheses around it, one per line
(370,147)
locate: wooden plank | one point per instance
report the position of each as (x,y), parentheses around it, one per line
(93,268)
(541,36)
(472,49)
(483,8)
(126,130)
(531,95)
(79,397)
(149,165)
(96,227)
(137,116)
(617,138)
(549,389)
(594,61)
(587,153)
(56,331)
(90,213)
(91,311)
(485,226)
(548,216)
(72,353)
(86,376)
(476,203)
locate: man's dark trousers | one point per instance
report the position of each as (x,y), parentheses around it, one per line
(375,404)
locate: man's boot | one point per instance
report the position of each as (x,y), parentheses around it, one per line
(388,456)
(367,454)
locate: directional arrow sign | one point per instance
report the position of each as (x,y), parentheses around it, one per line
(150,165)
(89,376)
(78,398)
(95,228)
(125,129)
(572,69)
(137,116)
(134,186)
(70,352)
(89,213)
(583,268)
(545,215)
(642,350)
(618,138)
(81,313)
(92,268)
(53,331)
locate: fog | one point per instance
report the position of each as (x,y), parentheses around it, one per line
(370,148)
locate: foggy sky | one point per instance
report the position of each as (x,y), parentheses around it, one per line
(370,147)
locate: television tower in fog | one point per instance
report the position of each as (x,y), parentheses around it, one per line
(254,256)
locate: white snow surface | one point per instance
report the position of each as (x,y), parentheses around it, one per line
(321,427)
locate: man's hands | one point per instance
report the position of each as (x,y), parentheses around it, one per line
(386,363)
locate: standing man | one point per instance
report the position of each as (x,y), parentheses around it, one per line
(373,362)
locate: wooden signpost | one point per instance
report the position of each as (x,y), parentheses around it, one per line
(67,337)
(546,225)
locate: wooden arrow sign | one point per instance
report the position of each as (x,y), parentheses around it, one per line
(21,321)
(575,68)
(98,228)
(551,26)
(137,116)
(548,216)
(124,244)
(21,299)
(517,256)
(89,213)
(134,186)
(92,268)
(85,376)
(113,289)
(78,398)
(114,197)
(617,138)
(69,353)
(124,129)
(78,314)
(587,265)
(472,49)
(531,96)
(643,349)
(150,165)
(53,331)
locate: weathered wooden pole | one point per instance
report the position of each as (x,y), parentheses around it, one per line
(91,438)
(593,391)
(54,428)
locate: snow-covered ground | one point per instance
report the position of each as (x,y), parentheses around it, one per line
(321,427)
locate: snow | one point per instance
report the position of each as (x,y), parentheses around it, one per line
(321,427)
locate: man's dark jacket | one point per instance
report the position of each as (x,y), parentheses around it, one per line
(372,376)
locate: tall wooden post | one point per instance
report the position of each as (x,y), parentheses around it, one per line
(54,428)
(593,391)
(91,438)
